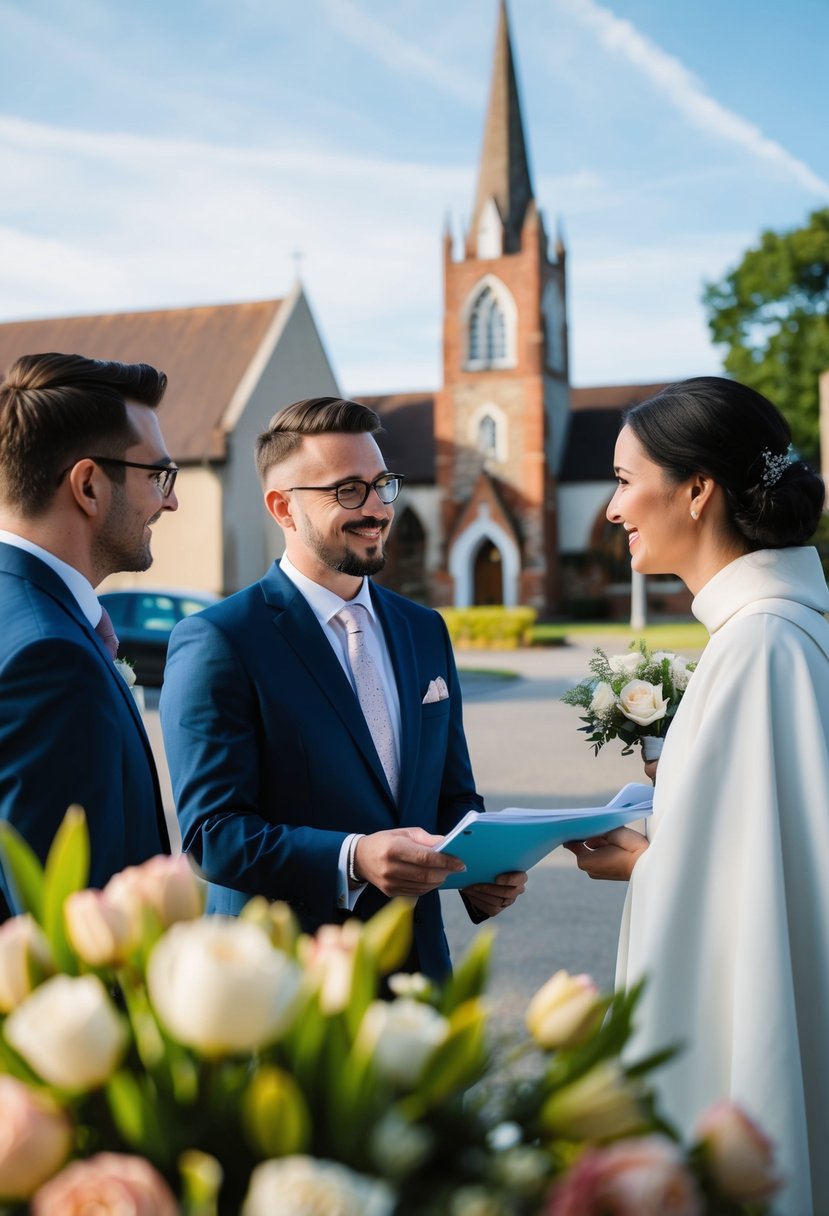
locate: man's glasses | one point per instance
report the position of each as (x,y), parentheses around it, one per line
(354,492)
(165,475)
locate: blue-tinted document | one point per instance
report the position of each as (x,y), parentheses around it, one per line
(495,842)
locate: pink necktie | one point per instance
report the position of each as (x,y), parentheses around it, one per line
(106,632)
(370,691)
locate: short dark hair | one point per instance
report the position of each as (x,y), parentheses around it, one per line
(55,410)
(313,416)
(721,428)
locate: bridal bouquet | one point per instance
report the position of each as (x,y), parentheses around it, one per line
(631,696)
(158,1062)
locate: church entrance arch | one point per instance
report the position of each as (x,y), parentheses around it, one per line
(475,570)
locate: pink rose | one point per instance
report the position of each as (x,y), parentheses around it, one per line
(739,1155)
(111,1184)
(35,1138)
(645,1177)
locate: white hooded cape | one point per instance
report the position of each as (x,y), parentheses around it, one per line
(727,913)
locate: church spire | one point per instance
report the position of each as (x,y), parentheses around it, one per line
(504,174)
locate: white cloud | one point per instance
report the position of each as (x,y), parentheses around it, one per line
(399,54)
(684,91)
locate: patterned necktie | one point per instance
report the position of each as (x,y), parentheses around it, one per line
(106,632)
(370,691)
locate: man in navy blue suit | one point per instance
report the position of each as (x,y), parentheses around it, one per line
(84,474)
(312,721)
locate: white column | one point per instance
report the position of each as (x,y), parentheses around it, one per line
(638,600)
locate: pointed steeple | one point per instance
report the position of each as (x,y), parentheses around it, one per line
(504,174)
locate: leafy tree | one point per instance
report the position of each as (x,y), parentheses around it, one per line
(772,313)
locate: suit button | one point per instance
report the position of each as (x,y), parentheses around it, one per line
(418,918)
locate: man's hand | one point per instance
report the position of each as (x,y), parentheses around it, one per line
(401,861)
(611,856)
(490,898)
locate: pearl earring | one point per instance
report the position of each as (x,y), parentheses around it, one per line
(694,514)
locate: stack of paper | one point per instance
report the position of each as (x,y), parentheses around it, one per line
(495,842)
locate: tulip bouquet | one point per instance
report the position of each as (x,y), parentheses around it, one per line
(155,1061)
(631,696)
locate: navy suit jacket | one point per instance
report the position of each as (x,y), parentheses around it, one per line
(272,762)
(70,730)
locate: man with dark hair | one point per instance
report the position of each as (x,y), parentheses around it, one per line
(84,474)
(313,721)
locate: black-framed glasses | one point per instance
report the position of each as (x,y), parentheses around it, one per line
(165,475)
(354,492)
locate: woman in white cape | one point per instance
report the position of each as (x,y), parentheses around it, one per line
(727,913)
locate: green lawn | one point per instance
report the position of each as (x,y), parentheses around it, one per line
(676,635)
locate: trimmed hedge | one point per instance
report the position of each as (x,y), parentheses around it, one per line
(495,628)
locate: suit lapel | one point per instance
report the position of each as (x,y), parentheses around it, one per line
(401,647)
(302,631)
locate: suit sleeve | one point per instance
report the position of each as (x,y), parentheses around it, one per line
(61,742)
(214,736)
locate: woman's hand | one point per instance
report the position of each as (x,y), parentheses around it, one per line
(612,856)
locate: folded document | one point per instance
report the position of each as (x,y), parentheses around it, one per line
(495,842)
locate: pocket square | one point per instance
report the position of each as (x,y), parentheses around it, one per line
(437,691)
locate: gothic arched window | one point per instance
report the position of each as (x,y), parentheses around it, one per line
(490,322)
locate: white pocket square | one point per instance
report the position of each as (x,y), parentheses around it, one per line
(437,691)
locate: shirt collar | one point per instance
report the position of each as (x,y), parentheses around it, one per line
(78,584)
(325,604)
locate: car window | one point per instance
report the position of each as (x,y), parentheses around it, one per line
(155,613)
(188,607)
(120,608)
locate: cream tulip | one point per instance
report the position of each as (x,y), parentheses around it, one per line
(69,1032)
(565,1011)
(219,986)
(24,951)
(400,1036)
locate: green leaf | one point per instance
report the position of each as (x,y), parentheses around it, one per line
(470,976)
(67,870)
(23,869)
(136,1116)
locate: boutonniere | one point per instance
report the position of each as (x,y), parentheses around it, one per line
(125,669)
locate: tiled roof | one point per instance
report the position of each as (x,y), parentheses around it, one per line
(204,351)
(408,441)
(594,425)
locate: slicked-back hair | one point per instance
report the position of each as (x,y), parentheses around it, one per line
(721,428)
(313,416)
(57,409)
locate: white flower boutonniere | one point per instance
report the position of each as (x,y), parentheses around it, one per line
(125,669)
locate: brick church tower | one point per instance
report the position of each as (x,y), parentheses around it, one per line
(501,416)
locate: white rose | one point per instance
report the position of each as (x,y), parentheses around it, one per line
(401,1035)
(125,669)
(69,1032)
(23,950)
(604,700)
(625,664)
(642,702)
(307,1186)
(219,985)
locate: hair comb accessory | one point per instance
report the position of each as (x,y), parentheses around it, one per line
(775,466)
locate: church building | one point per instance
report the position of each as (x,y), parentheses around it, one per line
(508,467)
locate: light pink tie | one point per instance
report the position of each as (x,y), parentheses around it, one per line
(106,632)
(370,692)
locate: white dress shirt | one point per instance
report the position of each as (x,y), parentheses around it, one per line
(325,605)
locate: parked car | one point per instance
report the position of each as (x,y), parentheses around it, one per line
(144,621)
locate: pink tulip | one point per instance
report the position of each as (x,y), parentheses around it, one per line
(739,1155)
(35,1138)
(110,1184)
(645,1177)
(168,885)
(24,953)
(102,929)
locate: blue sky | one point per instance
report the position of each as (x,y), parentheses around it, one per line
(160,154)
